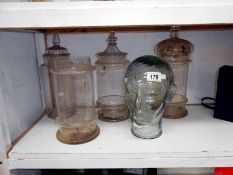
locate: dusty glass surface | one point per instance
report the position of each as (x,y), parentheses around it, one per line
(77,125)
(74,98)
(176,51)
(52,54)
(149,83)
(111,65)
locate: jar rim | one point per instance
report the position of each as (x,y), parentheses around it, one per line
(72,69)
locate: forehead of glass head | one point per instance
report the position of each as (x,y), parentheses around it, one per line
(137,71)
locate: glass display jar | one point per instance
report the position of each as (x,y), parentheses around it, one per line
(74,98)
(149,83)
(56,52)
(176,52)
(111,65)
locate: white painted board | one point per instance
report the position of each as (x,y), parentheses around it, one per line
(114,13)
(198,140)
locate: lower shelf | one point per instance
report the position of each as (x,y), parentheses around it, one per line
(197,140)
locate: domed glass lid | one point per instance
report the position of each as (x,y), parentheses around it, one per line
(56,49)
(112,54)
(174,49)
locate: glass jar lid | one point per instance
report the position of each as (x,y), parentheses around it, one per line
(174,49)
(56,49)
(112,54)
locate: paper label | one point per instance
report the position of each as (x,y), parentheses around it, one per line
(154,76)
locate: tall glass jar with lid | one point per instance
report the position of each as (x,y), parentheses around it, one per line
(111,65)
(52,54)
(176,52)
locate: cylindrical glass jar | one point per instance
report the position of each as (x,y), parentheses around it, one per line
(74,98)
(111,66)
(176,52)
(52,54)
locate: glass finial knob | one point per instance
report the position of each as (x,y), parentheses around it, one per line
(56,39)
(174,31)
(112,39)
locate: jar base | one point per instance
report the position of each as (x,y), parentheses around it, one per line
(146,137)
(112,108)
(113,114)
(112,119)
(51,113)
(175,112)
(74,138)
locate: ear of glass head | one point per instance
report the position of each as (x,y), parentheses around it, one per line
(149,83)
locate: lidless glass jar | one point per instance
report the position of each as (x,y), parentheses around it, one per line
(176,52)
(52,54)
(111,65)
(74,98)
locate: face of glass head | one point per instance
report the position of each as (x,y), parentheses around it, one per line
(149,83)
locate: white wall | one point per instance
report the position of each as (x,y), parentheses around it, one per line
(212,50)
(19,85)
(20,97)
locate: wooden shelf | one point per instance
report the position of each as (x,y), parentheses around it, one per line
(197,140)
(142,28)
(134,29)
(45,15)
